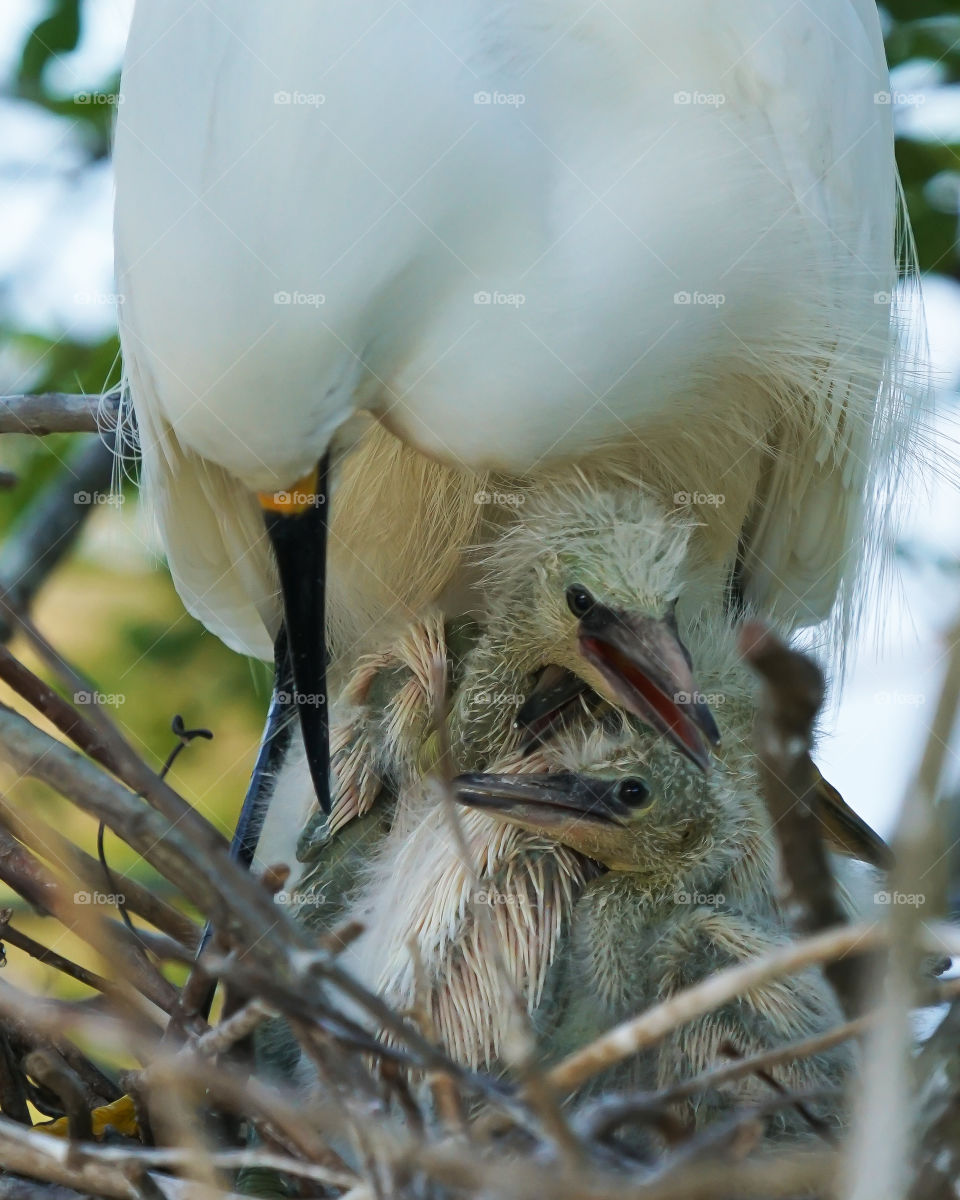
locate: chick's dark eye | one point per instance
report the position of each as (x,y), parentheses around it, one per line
(633,792)
(579,600)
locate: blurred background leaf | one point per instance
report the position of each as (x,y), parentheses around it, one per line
(56,34)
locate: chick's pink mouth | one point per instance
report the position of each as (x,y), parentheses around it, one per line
(655,705)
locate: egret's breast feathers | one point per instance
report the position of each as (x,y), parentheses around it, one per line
(517,234)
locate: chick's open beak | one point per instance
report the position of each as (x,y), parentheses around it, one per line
(296,523)
(648,672)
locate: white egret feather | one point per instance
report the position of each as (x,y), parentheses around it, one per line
(312,199)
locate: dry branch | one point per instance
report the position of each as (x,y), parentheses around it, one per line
(58,711)
(47,843)
(59,412)
(54,1072)
(652,1026)
(30,1022)
(48,528)
(116,944)
(26,1152)
(793,693)
(179,843)
(938,1151)
(49,958)
(915,1150)
(21,872)
(599,1118)
(58,1020)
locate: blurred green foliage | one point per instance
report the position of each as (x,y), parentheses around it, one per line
(55,35)
(928,32)
(64,363)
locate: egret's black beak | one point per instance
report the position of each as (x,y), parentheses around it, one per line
(552,802)
(649,673)
(297,526)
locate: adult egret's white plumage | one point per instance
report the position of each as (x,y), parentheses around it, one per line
(516,235)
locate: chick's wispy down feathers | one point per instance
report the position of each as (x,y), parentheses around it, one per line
(477,929)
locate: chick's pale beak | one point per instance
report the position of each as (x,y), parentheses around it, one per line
(550,802)
(648,672)
(296,524)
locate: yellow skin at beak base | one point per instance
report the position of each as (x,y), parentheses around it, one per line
(300,496)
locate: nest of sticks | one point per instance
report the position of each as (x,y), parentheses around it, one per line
(190,1113)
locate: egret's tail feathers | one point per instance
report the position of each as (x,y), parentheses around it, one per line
(213,532)
(118,430)
(905,446)
(400,522)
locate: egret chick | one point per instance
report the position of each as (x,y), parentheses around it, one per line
(637,558)
(629,802)
(618,540)
(457,935)
(676,906)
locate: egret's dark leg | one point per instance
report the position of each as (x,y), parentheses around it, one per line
(277,734)
(735,600)
(299,539)
(298,535)
(274,743)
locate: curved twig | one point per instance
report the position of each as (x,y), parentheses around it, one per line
(652,1026)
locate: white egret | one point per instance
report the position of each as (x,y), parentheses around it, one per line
(515,235)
